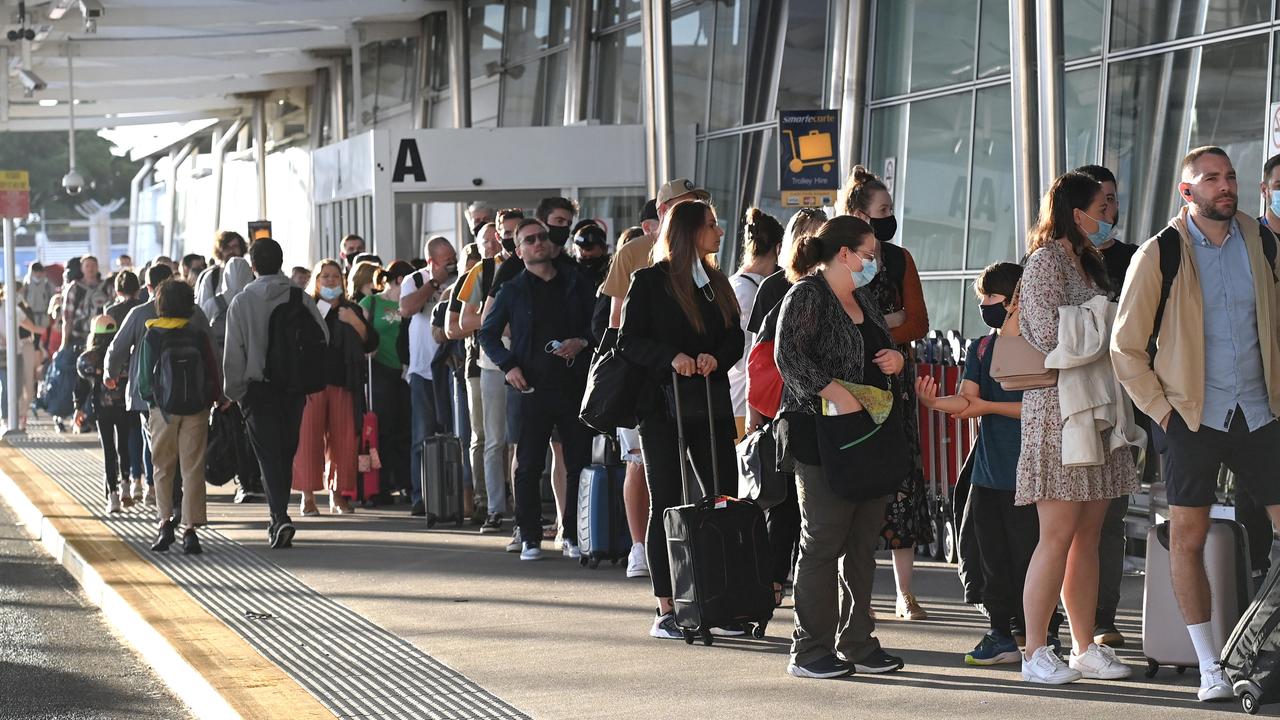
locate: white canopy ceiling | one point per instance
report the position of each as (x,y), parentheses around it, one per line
(164,61)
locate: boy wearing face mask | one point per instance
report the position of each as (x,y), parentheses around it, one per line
(1006,534)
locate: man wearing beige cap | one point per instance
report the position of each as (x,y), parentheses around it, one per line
(631,257)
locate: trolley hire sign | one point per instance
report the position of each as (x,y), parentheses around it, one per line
(808,170)
(15,194)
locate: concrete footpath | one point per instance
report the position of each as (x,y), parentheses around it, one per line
(556,640)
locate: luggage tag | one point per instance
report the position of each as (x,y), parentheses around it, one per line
(363,463)
(722,502)
(374,460)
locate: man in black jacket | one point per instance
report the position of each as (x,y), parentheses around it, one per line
(549,312)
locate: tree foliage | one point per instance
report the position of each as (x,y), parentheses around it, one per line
(45,156)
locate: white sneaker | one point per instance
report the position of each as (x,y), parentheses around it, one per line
(1044,666)
(531,551)
(113,502)
(138,490)
(665,628)
(150,497)
(514,545)
(1099,662)
(637,564)
(1214,685)
(570,550)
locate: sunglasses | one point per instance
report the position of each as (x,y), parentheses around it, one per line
(535,238)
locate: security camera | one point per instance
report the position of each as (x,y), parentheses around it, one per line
(73,183)
(31,81)
(91,9)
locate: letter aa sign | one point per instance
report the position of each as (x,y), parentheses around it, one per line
(409,162)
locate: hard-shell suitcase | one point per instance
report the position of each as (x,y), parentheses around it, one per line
(369,464)
(721,564)
(442,478)
(1252,653)
(602,517)
(1165,640)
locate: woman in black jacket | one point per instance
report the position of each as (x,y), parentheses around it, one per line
(830,329)
(329,418)
(681,315)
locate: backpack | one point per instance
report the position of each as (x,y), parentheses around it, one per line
(180,380)
(402,340)
(1170,243)
(295,343)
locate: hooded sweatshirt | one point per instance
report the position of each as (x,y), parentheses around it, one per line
(244,358)
(235,276)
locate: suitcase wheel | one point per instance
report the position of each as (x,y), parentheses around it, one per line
(1180,670)
(706,638)
(1152,668)
(688,637)
(1249,703)
(583,561)
(431,520)
(758,631)
(594,563)
(613,561)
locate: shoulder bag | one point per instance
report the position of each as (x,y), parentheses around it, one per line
(1016,364)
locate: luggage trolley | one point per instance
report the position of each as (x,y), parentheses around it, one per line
(814,148)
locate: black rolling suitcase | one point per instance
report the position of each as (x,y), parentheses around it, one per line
(721,564)
(442,478)
(1251,657)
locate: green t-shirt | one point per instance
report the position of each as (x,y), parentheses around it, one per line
(386,321)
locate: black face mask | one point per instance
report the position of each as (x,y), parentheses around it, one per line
(994,315)
(595,264)
(559,234)
(509,244)
(885,228)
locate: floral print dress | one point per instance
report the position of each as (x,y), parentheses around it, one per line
(1049,281)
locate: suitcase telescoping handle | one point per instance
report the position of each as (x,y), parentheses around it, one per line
(368,386)
(683,446)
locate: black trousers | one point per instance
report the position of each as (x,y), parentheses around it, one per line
(783,522)
(391,404)
(274,420)
(541,412)
(115,433)
(662,474)
(1007,535)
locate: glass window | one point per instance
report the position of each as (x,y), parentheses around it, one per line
(922,44)
(721,180)
(690,61)
(1080,110)
(618,207)
(800,85)
(612,12)
(534,25)
(437,42)
(1082,28)
(1135,23)
(942,298)
(992,234)
(971,322)
(993,38)
(728,68)
(1160,106)
(533,93)
(619,79)
(922,151)
(485,18)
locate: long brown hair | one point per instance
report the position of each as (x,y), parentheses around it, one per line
(1070,192)
(313,288)
(677,244)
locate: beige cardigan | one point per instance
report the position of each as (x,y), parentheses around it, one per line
(1177,382)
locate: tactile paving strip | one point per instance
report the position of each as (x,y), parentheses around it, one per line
(361,671)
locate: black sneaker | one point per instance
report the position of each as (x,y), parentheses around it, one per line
(283,535)
(879,661)
(165,538)
(479,517)
(821,669)
(191,543)
(419,509)
(492,524)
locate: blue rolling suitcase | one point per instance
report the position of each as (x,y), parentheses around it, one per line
(602,516)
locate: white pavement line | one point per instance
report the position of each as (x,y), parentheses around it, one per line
(201,699)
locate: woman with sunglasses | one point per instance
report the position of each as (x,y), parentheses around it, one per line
(681,315)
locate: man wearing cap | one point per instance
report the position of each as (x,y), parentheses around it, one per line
(631,257)
(591,248)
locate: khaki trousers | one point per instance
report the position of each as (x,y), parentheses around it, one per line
(179,440)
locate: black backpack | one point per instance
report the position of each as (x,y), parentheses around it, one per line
(295,345)
(1171,259)
(180,380)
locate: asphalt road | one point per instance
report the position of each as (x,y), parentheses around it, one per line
(58,657)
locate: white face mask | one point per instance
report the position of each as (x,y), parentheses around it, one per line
(700,277)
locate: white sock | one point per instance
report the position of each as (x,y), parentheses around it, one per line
(1202,639)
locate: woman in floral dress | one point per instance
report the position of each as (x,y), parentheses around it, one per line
(1064,268)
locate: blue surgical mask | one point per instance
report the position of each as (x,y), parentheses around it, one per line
(863,277)
(330,293)
(1100,236)
(1275,202)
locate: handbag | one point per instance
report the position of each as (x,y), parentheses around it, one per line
(605,450)
(862,459)
(758,476)
(764,389)
(1016,364)
(613,392)
(220,460)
